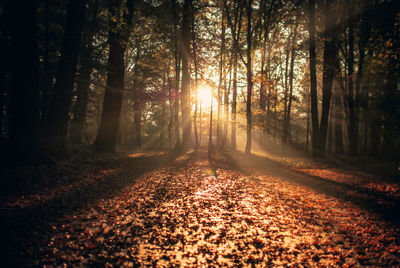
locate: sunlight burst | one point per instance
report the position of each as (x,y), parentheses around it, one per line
(205,95)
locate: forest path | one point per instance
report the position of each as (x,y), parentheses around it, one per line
(240,210)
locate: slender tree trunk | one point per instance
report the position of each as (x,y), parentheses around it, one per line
(137,121)
(176,105)
(221,78)
(286,90)
(289,84)
(24,100)
(249,76)
(83,80)
(210,143)
(196,84)
(353,131)
(107,134)
(338,118)
(177,77)
(48,77)
(164,124)
(226,105)
(328,74)
(361,100)
(234,100)
(186,61)
(308,123)
(366,115)
(268,116)
(235,31)
(263,91)
(391,106)
(313,76)
(61,103)
(6,25)
(200,129)
(291,74)
(171,114)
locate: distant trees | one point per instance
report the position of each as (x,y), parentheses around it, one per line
(123,73)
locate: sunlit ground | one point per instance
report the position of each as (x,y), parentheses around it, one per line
(240,210)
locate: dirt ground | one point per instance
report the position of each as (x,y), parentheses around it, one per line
(162,210)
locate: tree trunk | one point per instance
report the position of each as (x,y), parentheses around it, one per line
(366,115)
(5,64)
(186,61)
(177,77)
(361,100)
(210,144)
(84,81)
(291,73)
(107,134)
(171,114)
(196,84)
(328,74)
(338,119)
(313,77)
(137,121)
(226,107)
(221,84)
(234,100)
(308,123)
(235,31)
(391,106)
(24,99)
(58,117)
(286,90)
(353,131)
(249,78)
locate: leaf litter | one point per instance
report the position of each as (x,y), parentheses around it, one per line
(193,214)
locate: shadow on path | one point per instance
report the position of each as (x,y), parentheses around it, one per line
(33,220)
(373,201)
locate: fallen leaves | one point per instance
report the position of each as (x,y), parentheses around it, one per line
(191,214)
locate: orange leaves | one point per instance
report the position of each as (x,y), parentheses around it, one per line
(194,215)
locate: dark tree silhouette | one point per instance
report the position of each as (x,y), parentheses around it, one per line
(58,117)
(107,134)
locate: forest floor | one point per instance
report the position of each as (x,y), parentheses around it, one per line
(163,209)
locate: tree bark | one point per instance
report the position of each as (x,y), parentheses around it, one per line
(196,84)
(58,117)
(177,77)
(84,80)
(361,99)
(286,89)
(338,118)
(234,100)
(137,122)
(328,74)
(107,134)
(313,77)
(249,76)
(353,131)
(391,106)
(221,84)
(235,28)
(24,100)
(171,114)
(185,91)
(291,74)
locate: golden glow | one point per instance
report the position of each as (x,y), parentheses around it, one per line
(204,96)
